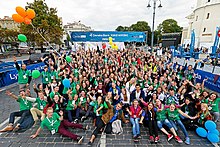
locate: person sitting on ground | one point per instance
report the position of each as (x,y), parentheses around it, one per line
(113,113)
(56,123)
(25,107)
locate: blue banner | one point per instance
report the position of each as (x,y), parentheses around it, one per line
(11,76)
(213,82)
(215,45)
(192,44)
(103,36)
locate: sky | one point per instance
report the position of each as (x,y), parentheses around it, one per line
(109,14)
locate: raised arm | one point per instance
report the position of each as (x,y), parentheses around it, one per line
(11,95)
(31,99)
(16,63)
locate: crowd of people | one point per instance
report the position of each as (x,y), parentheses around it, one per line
(111,87)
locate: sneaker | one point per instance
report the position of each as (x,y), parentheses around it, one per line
(83,119)
(169,136)
(138,136)
(80,139)
(151,139)
(156,140)
(89,143)
(187,141)
(75,121)
(8,128)
(178,139)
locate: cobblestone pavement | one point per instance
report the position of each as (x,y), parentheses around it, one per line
(13,139)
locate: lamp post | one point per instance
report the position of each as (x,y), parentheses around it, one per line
(154,12)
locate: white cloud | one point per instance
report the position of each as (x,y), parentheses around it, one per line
(107,15)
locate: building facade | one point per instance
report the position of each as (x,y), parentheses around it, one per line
(204,20)
(8,23)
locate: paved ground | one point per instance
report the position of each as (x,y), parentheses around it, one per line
(45,139)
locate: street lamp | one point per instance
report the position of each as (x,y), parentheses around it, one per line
(154,8)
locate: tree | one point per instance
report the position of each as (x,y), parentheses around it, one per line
(120,28)
(140,26)
(46,22)
(169,26)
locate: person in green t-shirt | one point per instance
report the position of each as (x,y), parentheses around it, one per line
(173,116)
(25,107)
(161,118)
(46,77)
(213,105)
(41,104)
(24,75)
(56,123)
(71,105)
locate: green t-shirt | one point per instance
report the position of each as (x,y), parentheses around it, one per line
(96,106)
(40,103)
(70,104)
(56,107)
(24,104)
(83,101)
(161,115)
(52,123)
(173,115)
(23,76)
(213,105)
(52,94)
(53,74)
(46,78)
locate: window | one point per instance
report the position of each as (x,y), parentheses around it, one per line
(204,29)
(208,1)
(197,18)
(207,17)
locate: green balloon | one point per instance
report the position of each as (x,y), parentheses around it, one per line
(68,59)
(35,74)
(22,38)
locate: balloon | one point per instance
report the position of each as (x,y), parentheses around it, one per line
(68,59)
(21,11)
(111,43)
(218,33)
(215,132)
(213,138)
(35,74)
(22,38)
(104,46)
(18,18)
(27,20)
(66,83)
(210,125)
(110,39)
(30,13)
(201,132)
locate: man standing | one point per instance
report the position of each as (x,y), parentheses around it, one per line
(24,75)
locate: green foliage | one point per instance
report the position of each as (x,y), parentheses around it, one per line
(46,22)
(169,26)
(140,26)
(8,35)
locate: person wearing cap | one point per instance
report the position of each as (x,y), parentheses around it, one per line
(25,107)
(24,75)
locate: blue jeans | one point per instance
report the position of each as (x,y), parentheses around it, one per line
(180,124)
(135,126)
(70,116)
(164,122)
(21,114)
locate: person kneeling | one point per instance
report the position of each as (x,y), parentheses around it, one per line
(56,123)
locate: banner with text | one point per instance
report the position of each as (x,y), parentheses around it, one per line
(103,36)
